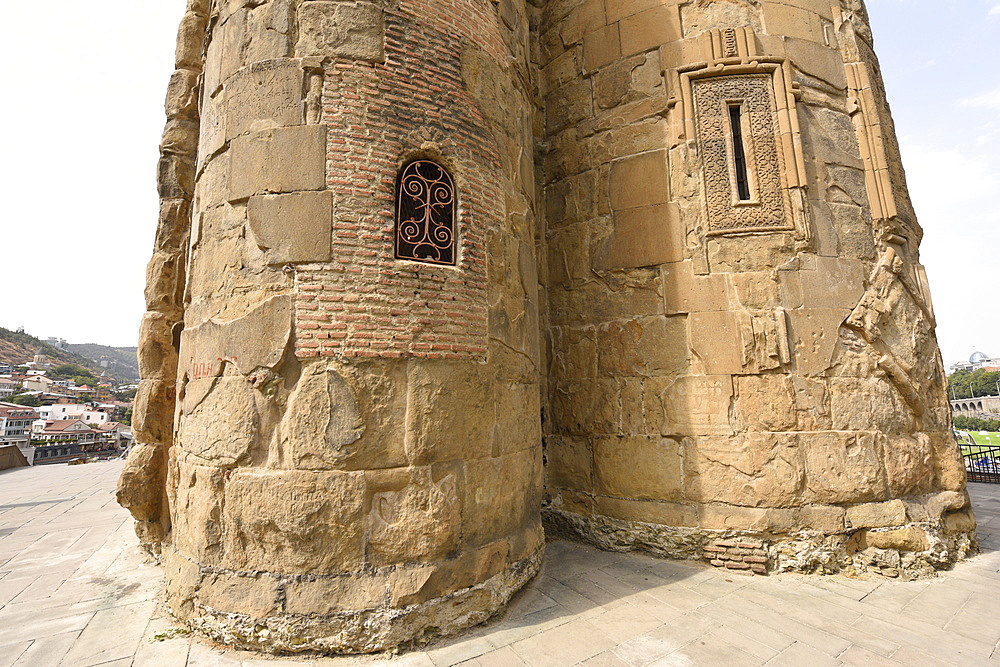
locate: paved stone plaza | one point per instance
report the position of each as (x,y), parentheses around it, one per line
(76,590)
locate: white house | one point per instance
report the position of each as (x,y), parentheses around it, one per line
(72,411)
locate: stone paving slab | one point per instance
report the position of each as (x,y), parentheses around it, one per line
(76,590)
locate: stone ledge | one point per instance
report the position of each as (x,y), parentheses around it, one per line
(369,630)
(896,553)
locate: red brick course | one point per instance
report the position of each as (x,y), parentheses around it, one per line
(365,303)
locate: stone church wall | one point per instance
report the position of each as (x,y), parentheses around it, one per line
(684,311)
(355,452)
(760,371)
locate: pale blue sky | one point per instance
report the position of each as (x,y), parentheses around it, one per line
(85,85)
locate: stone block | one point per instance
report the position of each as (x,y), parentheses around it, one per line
(224,426)
(332,595)
(568,254)
(354,30)
(949,468)
(269,29)
(569,463)
(284,159)
(445,408)
(829,282)
(413,514)
(814,333)
(180,137)
(639,467)
(650,29)
(197,512)
(909,465)
(601,47)
(782,19)
(817,60)
(963,521)
(500,496)
(737,254)
(577,357)
(181,579)
(175,176)
(866,403)
(517,424)
(258,339)
(586,17)
(140,486)
(645,346)
(190,41)
(619,9)
(685,292)
(182,95)
(692,405)
(263,96)
(323,421)
(157,355)
(293,227)
(568,105)
(639,180)
(755,290)
(616,296)
(664,513)
(843,467)
(765,403)
(716,342)
(911,538)
(406,585)
(294,521)
(877,515)
(753,470)
(588,407)
(153,415)
(643,236)
(256,596)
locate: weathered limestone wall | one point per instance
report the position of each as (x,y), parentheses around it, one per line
(730,377)
(354,459)
(342,450)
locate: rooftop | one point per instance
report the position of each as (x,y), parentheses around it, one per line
(76,590)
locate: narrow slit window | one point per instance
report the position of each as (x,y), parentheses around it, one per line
(739,152)
(425,213)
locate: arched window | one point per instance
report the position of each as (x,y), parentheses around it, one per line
(425,213)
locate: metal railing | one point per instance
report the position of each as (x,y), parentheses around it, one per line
(982,463)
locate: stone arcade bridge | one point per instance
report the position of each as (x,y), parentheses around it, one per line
(74,590)
(975,406)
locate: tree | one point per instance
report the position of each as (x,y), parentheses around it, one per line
(27,400)
(71,371)
(962,384)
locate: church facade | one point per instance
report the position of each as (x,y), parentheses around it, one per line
(435,278)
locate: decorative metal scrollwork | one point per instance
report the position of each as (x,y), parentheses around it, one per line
(425,213)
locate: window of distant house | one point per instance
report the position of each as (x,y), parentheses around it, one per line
(425,213)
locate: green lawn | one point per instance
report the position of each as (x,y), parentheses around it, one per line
(994,440)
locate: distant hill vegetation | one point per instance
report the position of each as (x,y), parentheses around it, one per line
(19,348)
(120,362)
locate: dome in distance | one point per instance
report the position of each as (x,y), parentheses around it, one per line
(978,357)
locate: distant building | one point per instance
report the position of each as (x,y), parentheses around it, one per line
(15,427)
(977,361)
(38,383)
(58,343)
(69,411)
(8,386)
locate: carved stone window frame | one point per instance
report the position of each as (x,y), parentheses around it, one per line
(733,52)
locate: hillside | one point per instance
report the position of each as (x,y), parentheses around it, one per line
(120,361)
(20,348)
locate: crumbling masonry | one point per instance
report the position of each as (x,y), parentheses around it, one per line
(430,273)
